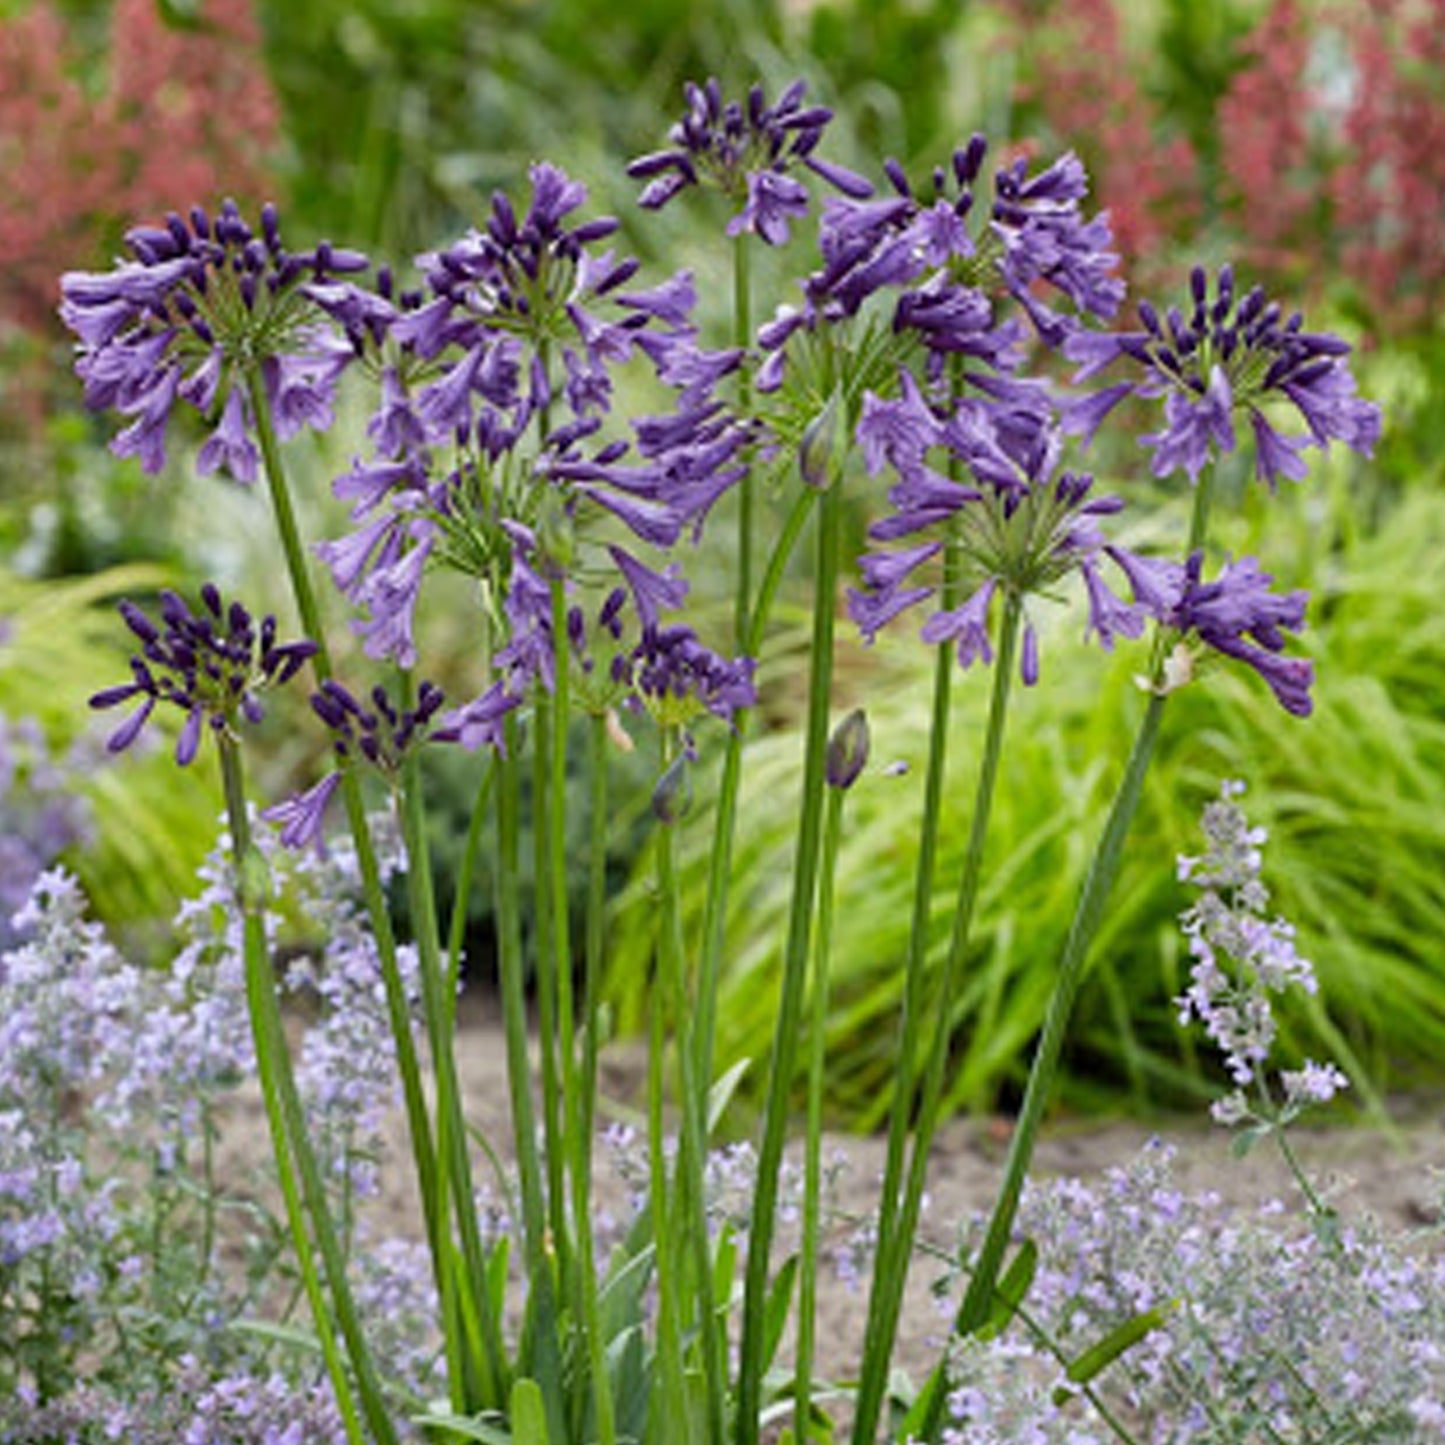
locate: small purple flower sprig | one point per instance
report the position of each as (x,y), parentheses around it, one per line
(1234,355)
(380,735)
(213,665)
(204,307)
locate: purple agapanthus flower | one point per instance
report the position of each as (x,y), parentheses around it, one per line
(673,675)
(1233,356)
(746,150)
(1015,525)
(950,261)
(202,302)
(1236,615)
(377,732)
(212,665)
(502,294)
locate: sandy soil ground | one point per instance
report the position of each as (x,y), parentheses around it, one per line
(1365,1170)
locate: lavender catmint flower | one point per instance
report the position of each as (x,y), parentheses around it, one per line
(746,150)
(1241,958)
(203,303)
(41,814)
(1234,357)
(212,665)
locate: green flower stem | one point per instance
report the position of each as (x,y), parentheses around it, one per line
(596,919)
(891,1266)
(398,1012)
(480,1380)
(1088,914)
(544,976)
(795,968)
(289,1140)
(471,857)
(556,905)
(812,1158)
(671,1393)
(545,1358)
(747,490)
(584,1099)
(725,817)
(691,1222)
(876,1362)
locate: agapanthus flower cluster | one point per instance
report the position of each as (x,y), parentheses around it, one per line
(1236,615)
(377,733)
(213,665)
(950,271)
(1234,356)
(745,149)
(1015,524)
(1241,958)
(525,323)
(205,306)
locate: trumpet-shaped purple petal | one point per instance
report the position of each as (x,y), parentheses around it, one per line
(303,815)
(230,449)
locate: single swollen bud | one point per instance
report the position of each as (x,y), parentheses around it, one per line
(848,750)
(672,796)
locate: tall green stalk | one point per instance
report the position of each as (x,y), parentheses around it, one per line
(690,1222)
(545,1357)
(584,1098)
(374,894)
(795,968)
(894,1252)
(812,1157)
(1088,914)
(295,1160)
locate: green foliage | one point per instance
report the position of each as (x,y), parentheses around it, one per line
(1354,798)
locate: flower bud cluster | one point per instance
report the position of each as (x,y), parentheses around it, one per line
(212,664)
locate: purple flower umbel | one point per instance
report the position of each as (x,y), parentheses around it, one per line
(745,149)
(1232,356)
(1236,615)
(1014,525)
(204,301)
(212,665)
(951,253)
(380,734)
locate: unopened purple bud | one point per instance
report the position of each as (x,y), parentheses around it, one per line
(966,163)
(672,796)
(824,444)
(848,750)
(898,178)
